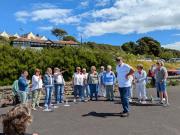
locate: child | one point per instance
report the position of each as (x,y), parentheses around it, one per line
(109,81)
(140,80)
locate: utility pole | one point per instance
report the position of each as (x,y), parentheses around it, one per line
(81,40)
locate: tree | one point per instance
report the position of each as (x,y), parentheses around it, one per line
(69,38)
(60,33)
(129,47)
(148,45)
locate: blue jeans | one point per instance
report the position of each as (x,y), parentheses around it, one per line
(124,94)
(78,90)
(93,90)
(161,86)
(48,91)
(59,90)
(86,91)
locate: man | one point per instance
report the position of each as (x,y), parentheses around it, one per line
(161,77)
(23,84)
(124,71)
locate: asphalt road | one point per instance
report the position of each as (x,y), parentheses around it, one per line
(102,118)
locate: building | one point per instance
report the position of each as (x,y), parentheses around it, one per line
(36,41)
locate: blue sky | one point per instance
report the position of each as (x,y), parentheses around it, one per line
(103,21)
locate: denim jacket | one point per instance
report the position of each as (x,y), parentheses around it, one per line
(23,84)
(48,80)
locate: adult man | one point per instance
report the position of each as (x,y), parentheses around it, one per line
(123,72)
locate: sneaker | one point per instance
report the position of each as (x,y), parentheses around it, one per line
(161,102)
(86,100)
(47,110)
(40,107)
(34,109)
(143,102)
(130,100)
(55,106)
(166,104)
(74,101)
(124,115)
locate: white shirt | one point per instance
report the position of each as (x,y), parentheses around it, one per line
(141,77)
(58,78)
(36,82)
(78,79)
(85,76)
(122,70)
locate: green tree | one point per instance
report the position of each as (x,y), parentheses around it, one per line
(148,45)
(69,38)
(60,33)
(129,47)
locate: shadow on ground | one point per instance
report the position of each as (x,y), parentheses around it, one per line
(101,115)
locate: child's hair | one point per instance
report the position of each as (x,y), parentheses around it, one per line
(16,120)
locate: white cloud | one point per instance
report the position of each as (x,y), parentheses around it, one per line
(45,28)
(55,13)
(43,5)
(175,46)
(123,17)
(102,3)
(135,16)
(47,12)
(84,3)
(178,34)
(22,16)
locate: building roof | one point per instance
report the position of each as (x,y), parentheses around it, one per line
(22,39)
(4,34)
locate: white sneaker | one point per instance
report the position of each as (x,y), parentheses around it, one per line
(143,102)
(166,104)
(74,101)
(130,100)
(34,109)
(47,110)
(55,106)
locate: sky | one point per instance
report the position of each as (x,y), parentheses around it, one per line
(103,21)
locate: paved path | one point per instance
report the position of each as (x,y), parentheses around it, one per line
(102,118)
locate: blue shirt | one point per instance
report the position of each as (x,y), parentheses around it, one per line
(109,78)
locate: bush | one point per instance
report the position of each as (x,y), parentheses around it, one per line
(14,60)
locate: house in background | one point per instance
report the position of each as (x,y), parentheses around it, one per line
(35,41)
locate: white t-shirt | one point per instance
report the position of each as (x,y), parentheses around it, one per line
(36,82)
(122,70)
(58,78)
(78,79)
(141,77)
(85,76)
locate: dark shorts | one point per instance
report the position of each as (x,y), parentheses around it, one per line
(161,86)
